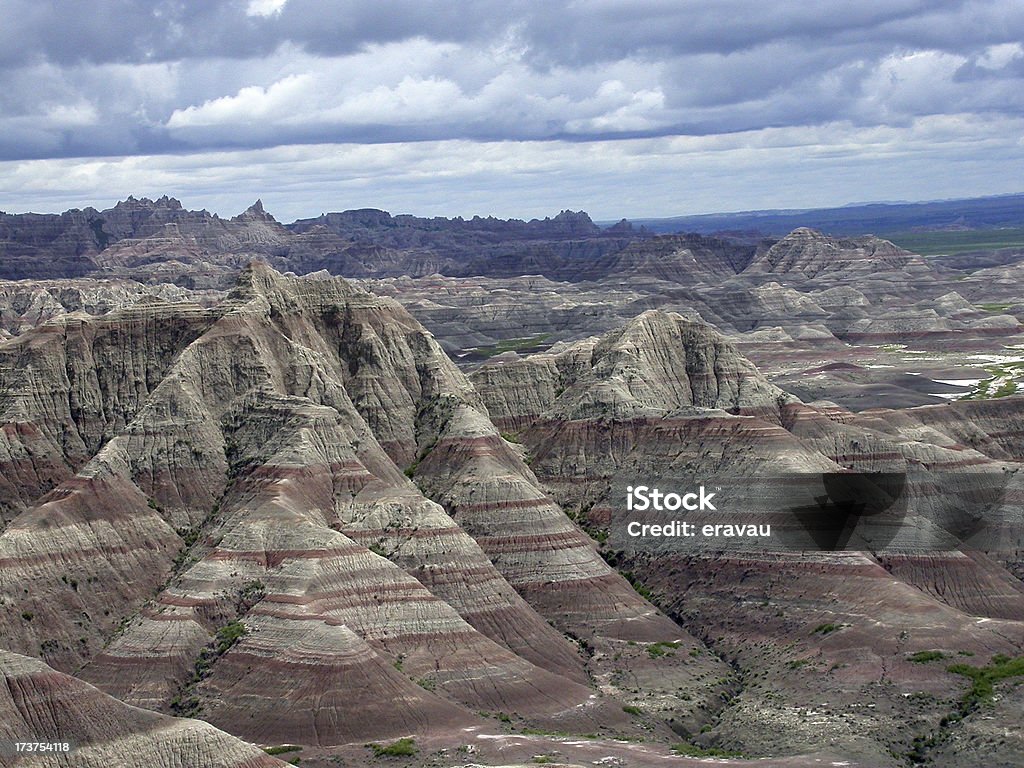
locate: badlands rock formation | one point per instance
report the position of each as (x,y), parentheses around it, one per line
(666,397)
(210,513)
(52,706)
(275,503)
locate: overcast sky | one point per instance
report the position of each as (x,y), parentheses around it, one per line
(509,107)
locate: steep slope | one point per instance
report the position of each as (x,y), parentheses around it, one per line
(811,636)
(657,364)
(249,476)
(39,704)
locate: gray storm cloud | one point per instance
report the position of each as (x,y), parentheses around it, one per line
(117,79)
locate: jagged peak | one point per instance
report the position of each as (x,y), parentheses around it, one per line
(257,278)
(136,203)
(569,215)
(255,212)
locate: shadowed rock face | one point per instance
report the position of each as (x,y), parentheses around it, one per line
(159,241)
(669,397)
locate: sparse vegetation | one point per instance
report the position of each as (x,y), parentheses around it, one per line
(629,709)
(923,657)
(189,536)
(228,635)
(402,748)
(187,705)
(995,307)
(983,679)
(634,582)
(661,648)
(933,243)
(250,593)
(525,344)
(283,749)
(826,629)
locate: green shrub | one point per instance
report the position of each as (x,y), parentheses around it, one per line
(923,657)
(824,629)
(283,749)
(983,679)
(228,635)
(659,649)
(402,748)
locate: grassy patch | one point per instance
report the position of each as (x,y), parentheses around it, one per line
(522,345)
(402,748)
(629,709)
(662,648)
(1004,380)
(957,241)
(283,749)
(983,679)
(995,307)
(924,657)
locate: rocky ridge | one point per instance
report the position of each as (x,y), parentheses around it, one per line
(211,509)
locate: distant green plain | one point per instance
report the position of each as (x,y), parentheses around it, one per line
(940,242)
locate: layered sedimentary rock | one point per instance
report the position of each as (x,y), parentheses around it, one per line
(285,510)
(850,619)
(809,253)
(244,464)
(38,703)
